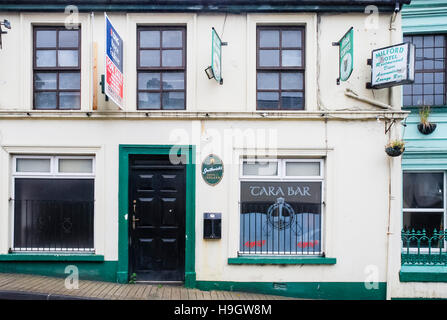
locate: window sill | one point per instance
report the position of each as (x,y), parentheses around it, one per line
(282,260)
(51,257)
(423,274)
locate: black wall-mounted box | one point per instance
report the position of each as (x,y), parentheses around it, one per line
(212,225)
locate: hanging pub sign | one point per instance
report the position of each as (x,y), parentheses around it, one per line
(212,169)
(346,55)
(216,56)
(392,66)
(113,64)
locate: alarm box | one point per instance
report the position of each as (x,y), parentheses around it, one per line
(212,225)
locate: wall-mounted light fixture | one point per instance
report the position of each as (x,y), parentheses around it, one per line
(7,25)
(209,72)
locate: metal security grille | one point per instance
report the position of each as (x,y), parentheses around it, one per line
(53,225)
(280,228)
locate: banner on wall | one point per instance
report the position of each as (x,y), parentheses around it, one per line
(113,64)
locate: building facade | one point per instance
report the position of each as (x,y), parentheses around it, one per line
(292,162)
(423,266)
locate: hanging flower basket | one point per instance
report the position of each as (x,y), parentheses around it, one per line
(426,128)
(395,148)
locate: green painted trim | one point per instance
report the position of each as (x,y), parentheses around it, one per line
(306,290)
(123,249)
(282,260)
(98,271)
(50,257)
(423,274)
(193,8)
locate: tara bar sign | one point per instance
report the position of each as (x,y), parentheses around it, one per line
(114,64)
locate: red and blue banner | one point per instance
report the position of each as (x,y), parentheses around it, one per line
(114,64)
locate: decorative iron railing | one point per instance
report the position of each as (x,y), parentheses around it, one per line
(424,248)
(51,225)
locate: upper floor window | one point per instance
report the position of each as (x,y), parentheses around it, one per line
(57,68)
(429,87)
(161,67)
(280,68)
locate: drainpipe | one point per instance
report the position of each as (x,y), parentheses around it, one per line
(395,103)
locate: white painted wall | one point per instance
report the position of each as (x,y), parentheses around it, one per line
(352,141)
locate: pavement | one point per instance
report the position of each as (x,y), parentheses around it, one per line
(32,287)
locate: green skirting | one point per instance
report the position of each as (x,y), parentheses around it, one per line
(306,290)
(88,270)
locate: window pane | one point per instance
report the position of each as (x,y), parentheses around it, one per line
(259,168)
(269,38)
(280,217)
(268,81)
(33,165)
(172,58)
(68,39)
(292,81)
(268,100)
(45,58)
(69,100)
(302,168)
(174,80)
(148,100)
(45,100)
(150,58)
(148,81)
(68,58)
(150,39)
(70,81)
(172,39)
(269,58)
(423,190)
(292,100)
(291,58)
(45,81)
(75,165)
(45,39)
(423,220)
(53,214)
(291,39)
(173,100)
(439,41)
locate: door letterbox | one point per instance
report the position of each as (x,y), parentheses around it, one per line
(212,225)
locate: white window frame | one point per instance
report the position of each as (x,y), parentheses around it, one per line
(281,177)
(53,174)
(422,210)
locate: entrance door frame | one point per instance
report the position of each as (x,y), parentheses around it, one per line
(186,151)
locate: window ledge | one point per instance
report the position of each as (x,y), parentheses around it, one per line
(281,260)
(51,257)
(423,274)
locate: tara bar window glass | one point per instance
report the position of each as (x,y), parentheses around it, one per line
(53,203)
(281,207)
(161,68)
(429,87)
(280,68)
(57,68)
(423,206)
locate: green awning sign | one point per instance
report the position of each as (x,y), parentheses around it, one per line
(212,169)
(216,56)
(346,55)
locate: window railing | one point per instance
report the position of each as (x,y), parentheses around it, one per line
(424,248)
(53,226)
(280,229)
